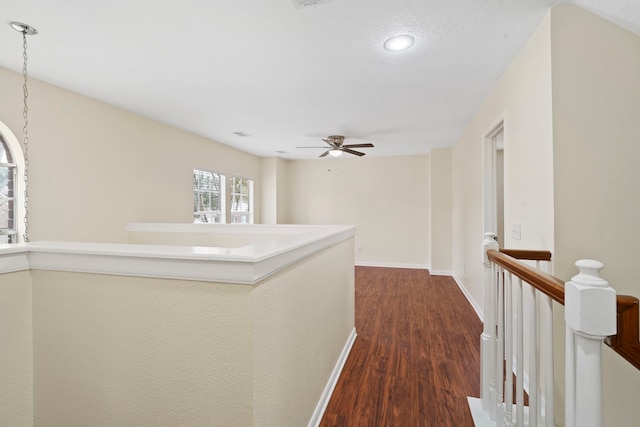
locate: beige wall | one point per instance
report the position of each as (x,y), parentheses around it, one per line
(522,99)
(596,126)
(126,351)
(269,193)
(441,210)
(16,351)
(570,102)
(94,167)
(275,190)
(386,197)
(302,320)
(283,191)
(135,351)
(268,190)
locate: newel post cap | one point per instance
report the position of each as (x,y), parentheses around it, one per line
(489,242)
(590,303)
(489,238)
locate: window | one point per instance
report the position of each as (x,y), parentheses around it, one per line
(241,200)
(208,197)
(7,200)
(212,193)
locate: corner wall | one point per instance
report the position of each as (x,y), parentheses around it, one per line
(302,321)
(441,210)
(596,105)
(522,99)
(387,198)
(16,350)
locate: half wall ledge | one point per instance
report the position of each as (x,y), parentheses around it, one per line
(246,254)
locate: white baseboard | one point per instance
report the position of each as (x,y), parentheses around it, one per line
(391,265)
(474,304)
(333,380)
(441,273)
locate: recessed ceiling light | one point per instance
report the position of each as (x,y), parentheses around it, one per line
(400,42)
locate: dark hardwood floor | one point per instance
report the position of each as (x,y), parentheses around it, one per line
(416,357)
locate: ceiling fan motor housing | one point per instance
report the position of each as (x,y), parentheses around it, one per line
(336,140)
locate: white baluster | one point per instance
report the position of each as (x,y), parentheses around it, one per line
(493,374)
(499,361)
(539,337)
(549,410)
(488,332)
(508,349)
(533,357)
(590,313)
(519,356)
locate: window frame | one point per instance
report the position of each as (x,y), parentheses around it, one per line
(15,161)
(249,195)
(228,197)
(9,232)
(219,216)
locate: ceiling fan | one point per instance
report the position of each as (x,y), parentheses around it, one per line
(336,148)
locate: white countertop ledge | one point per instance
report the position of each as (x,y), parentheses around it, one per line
(247,264)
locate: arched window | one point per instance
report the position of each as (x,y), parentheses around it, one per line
(11,179)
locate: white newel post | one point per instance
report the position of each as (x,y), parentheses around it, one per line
(487,340)
(590,315)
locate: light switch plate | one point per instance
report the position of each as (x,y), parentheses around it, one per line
(515,231)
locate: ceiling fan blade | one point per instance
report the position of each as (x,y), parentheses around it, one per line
(367,145)
(324,154)
(357,153)
(330,143)
(312,147)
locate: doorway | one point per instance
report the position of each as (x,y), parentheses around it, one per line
(494,182)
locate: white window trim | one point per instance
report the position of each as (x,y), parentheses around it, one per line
(226,185)
(223,192)
(18,186)
(251,197)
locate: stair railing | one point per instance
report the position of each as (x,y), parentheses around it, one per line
(517,339)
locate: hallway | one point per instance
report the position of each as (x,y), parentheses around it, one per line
(416,357)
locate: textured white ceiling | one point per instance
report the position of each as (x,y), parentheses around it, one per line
(288,76)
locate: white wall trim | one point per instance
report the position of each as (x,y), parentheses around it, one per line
(391,265)
(441,273)
(152,227)
(333,380)
(476,307)
(245,265)
(14,259)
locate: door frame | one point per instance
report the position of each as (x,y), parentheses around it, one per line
(490,189)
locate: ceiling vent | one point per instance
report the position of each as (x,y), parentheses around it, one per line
(243,134)
(300,4)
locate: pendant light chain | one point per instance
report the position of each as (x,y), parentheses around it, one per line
(25,131)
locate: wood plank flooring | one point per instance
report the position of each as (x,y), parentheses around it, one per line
(416,357)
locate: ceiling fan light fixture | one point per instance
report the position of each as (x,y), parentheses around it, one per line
(399,43)
(335,153)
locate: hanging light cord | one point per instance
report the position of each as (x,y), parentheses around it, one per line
(25,131)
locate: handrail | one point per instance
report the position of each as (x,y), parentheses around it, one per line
(626,342)
(545,283)
(528,254)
